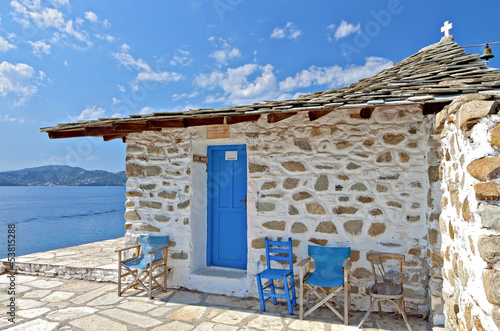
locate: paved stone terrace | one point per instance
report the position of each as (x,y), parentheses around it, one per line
(58,303)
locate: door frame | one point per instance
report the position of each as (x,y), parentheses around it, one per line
(211,148)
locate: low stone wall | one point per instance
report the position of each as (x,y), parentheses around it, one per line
(343,179)
(470,219)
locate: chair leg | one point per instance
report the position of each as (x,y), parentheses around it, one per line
(403,312)
(294,296)
(273,291)
(379,309)
(347,303)
(150,282)
(287,293)
(301,300)
(119,280)
(367,313)
(261,294)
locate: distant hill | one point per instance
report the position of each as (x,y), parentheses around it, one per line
(56,175)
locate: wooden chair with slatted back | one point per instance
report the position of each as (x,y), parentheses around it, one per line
(387,286)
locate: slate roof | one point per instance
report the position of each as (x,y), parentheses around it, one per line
(436,74)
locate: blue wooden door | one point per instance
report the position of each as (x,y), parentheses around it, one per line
(227,215)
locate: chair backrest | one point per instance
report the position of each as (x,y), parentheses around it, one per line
(379,262)
(329,260)
(279,251)
(150,243)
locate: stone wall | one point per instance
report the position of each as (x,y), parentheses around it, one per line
(469,223)
(352,177)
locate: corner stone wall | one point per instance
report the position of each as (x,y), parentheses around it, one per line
(342,179)
(470,219)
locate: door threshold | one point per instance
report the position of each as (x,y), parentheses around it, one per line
(221,272)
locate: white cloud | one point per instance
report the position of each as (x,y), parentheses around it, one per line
(91,16)
(181,57)
(121,88)
(105,23)
(5,45)
(19,79)
(290,31)
(225,51)
(31,11)
(335,75)
(147,110)
(145,73)
(345,29)
(106,37)
(176,96)
(60,3)
(40,47)
(7,118)
(90,113)
(236,87)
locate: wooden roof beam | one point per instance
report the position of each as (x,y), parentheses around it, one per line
(241,118)
(315,114)
(276,117)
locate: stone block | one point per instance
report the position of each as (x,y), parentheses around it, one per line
(148,187)
(259,243)
(433,236)
(376,212)
(344,144)
(290,183)
(162,218)
(136,170)
(293,166)
(359,187)
(150,204)
(433,174)
(491,283)
(352,166)
(489,248)
(485,169)
(487,191)
(179,256)
(148,228)
(326,227)
(292,210)
(490,216)
(494,134)
(495,314)
(393,139)
(132,215)
(268,186)
(473,96)
(384,158)
(184,204)
(275,225)
(135,149)
(364,199)
(473,110)
(340,210)
(361,273)
(301,196)
(353,227)
(321,183)
(303,145)
(315,208)
(321,242)
(376,229)
(256,168)
(404,157)
(133,194)
(265,206)
(167,195)
(298,227)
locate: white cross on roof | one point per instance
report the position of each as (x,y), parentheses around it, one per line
(446,28)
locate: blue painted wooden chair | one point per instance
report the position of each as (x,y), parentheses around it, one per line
(331,277)
(282,252)
(150,254)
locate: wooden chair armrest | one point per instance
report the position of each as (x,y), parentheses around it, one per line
(125,248)
(302,263)
(157,250)
(347,265)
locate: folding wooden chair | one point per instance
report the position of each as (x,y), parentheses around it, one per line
(385,287)
(149,255)
(278,251)
(330,278)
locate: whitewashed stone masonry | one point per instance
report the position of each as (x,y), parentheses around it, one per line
(339,180)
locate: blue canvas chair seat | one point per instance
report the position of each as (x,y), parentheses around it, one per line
(330,277)
(150,254)
(281,252)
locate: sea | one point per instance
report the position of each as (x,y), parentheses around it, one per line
(52,217)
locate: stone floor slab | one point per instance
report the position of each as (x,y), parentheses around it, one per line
(70,313)
(131,318)
(35,325)
(188,313)
(96,322)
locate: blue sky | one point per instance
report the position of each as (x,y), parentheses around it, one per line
(64,60)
